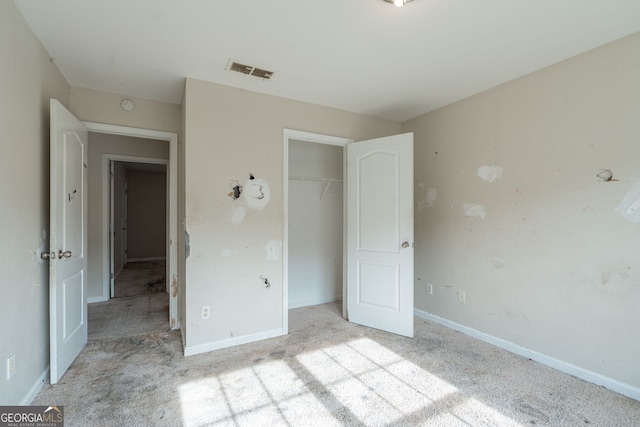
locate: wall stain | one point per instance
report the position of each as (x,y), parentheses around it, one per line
(174,286)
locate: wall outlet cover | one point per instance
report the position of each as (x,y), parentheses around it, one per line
(206,311)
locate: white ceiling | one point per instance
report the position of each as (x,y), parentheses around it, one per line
(365,56)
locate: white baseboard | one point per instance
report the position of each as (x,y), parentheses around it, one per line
(153,258)
(35,388)
(568,368)
(317,301)
(217,345)
(100,298)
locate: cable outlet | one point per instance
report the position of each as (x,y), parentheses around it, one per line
(462,297)
(429,289)
(11,366)
(206,311)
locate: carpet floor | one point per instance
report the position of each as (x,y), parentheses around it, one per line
(326,372)
(140,278)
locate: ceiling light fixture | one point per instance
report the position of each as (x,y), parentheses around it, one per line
(398,3)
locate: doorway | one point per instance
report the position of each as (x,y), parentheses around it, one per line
(377,269)
(315,223)
(171,210)
(314,228)
(138,223)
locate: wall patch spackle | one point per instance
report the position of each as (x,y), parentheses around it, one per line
(256,193)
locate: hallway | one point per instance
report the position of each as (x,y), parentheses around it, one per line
(141,305)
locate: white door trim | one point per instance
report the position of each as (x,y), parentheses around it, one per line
(297,135)
(108,216)
(172,138)
(111,229)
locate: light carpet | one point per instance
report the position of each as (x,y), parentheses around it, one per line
(327,372)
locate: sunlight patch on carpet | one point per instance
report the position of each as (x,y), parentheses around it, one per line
(265,394)
(474,412)
(374,383)
(359,380)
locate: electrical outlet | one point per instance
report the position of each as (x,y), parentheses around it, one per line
(429,289)
(206,311)
(462,297)
(11,366)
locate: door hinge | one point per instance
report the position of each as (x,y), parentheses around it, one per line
(111,276)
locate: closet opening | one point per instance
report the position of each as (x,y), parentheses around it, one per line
(314,220)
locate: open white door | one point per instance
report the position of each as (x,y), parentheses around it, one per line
(68,240)
(380,233)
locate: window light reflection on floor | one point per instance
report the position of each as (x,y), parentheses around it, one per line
(357,380)
(373,381)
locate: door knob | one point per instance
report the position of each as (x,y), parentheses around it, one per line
(65,254)
(405,245)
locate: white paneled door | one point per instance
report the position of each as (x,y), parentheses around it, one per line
(380,233)
(67,240)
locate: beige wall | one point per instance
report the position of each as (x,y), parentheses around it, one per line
(28,79)
(552,266)
(103,107)
(147,215)
(230,133)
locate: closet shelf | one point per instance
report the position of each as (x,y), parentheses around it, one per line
(327,180)
(305,178)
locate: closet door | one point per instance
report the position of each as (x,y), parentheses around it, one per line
(380,233)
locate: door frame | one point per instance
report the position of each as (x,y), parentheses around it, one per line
(172,237)
(316,138)
(107,161)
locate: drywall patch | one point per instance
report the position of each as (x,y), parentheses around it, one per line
(256,193)
(41,248)
(617,277)
(237,214)
(273,249)
(430,198)
(187,244)
(630,206)
(473,210)
(490,173)
(432,193)
(229,253)
(498,262)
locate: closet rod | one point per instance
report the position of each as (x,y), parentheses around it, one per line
(303,178)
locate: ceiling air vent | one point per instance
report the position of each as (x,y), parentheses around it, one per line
(248,69)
